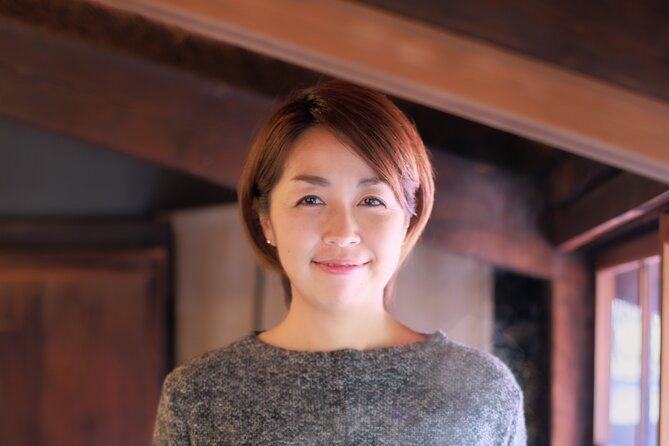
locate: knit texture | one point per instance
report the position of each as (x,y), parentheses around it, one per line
(435,392)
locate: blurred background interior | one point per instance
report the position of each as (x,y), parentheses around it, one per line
(123,127)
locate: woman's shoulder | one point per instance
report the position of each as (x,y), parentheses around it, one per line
(481,385)
(471,369)
(211,367)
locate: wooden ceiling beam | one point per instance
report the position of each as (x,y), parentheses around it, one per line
(619,201)
(438,69)
(123,103)
(486,213)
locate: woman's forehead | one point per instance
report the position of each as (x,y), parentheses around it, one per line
(318,152)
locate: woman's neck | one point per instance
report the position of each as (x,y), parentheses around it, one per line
(311,329)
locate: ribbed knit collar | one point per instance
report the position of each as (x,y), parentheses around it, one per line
(432,340)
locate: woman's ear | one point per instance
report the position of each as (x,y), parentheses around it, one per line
(267,228)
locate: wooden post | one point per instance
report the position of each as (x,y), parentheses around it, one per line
(572,358)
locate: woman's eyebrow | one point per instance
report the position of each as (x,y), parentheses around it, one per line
(369,182)
(320,181)
(312,179)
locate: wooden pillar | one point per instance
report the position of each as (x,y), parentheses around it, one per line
(572,353)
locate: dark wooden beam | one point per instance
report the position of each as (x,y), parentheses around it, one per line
(617,43)
(122,103)
(483,212)
(617,202)
(442,70)
(150,40)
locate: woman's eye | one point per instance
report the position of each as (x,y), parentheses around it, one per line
(310,200)
(372,202)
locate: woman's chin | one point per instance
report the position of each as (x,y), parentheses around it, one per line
(340,300)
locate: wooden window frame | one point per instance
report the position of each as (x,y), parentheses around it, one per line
(664,316)
(631,254)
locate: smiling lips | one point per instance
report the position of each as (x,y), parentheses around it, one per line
(339,266)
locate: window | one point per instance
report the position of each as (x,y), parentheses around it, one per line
(628,331)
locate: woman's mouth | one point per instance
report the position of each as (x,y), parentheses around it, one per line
(339,266)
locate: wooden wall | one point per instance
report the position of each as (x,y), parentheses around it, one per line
(84,332)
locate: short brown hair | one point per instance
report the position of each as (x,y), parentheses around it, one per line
(366,121)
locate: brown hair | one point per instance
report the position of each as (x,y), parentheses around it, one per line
(366,121)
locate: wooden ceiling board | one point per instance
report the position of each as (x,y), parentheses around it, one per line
(442,70)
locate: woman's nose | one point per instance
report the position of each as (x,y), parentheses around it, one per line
(341,229)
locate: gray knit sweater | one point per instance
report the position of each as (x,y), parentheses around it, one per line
(435,392)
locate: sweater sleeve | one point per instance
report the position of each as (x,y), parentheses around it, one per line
(170,427)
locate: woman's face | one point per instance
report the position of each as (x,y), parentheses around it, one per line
(337,227)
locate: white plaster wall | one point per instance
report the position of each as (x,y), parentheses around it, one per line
(216,277)
(439,290)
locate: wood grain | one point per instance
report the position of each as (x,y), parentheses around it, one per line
(84,362)
(612,205)
(439,69)
(620,43)
(122,103)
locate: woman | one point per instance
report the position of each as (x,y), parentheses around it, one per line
(334,195)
